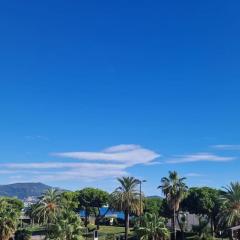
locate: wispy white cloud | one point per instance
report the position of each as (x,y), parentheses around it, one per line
(122,148)
(110,162)
(83,174)
(227,147)
(197,157)
(129,155)
(64,171)
(153,163)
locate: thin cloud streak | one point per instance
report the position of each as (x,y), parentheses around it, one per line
(226,147)
(57,165)
(199,157)
(122,148)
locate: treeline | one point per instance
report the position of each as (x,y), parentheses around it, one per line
(58,211)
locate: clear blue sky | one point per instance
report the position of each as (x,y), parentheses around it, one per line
(83,76)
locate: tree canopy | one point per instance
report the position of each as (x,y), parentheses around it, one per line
(204,201)
(153,205)
(91,200)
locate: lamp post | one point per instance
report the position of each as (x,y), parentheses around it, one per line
(140,184)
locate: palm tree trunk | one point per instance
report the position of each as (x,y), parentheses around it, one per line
(126,224)
(174,224)
(212,227)
(86,218)
(180,226)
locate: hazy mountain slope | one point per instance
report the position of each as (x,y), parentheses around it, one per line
(23,190)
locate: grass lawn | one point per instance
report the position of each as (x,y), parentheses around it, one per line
(107,232)
(35,228)
(111,230)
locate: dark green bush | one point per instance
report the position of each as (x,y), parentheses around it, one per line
(22,234)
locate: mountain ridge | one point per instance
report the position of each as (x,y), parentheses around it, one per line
(23,190)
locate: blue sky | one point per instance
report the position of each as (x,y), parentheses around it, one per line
(91,90)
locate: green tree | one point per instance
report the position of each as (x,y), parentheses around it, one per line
(174,188)
(204,201)
(33,214)
(153,205)
(153,228)
(126,198)
(9,216)
(91,200)
(165,210)
(69,200)
(14,202)
(230,198)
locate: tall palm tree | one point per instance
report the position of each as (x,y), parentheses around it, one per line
(126,198)
(153,228)
(174,188)
(230,214)
(48,206)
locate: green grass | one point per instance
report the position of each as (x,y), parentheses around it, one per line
(111,230)
(35,228)
(107,232)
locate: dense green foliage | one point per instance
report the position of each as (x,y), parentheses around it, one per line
(9,217)
(48,207)
(91,200)
(68,226)
(152,227)
(22,234)
(204,201)
(70,200)
(230,214)
(55,210)
(153,205)
(15,203)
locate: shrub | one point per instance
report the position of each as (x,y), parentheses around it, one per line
(22,234)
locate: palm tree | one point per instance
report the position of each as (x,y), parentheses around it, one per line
(126,198)
(32,213)
(48,206)
(67,227)
(153,228)
(8,220)
(230,214)
(174,188)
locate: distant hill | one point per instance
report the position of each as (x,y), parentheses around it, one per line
(23,190)
(154,196)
